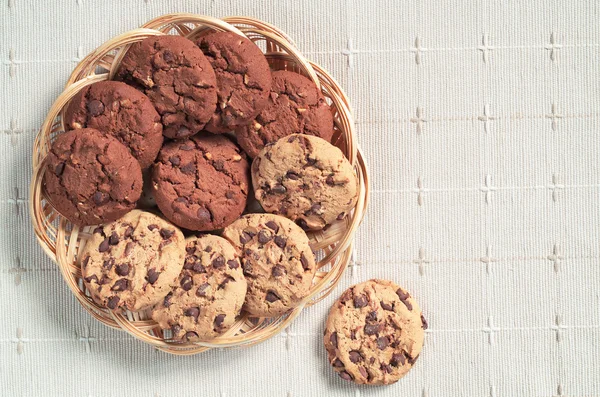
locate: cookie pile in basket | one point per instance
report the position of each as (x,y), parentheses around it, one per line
(199,128)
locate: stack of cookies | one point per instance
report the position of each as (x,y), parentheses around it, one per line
(163,163)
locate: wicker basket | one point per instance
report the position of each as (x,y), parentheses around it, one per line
(63,241)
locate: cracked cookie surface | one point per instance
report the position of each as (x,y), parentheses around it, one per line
(201,183)
(121,111)
(243,79)
(374,333)
(133,262)
(91,177)
(174,73)
(209,292)
(277,261)
(305,179)
(295,106)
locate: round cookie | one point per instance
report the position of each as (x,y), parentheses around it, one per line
(243,79)
(133,262)
(374,333)
(91,178)
(209,292)
(306,179)
(201,183)
(177,78)
(277,262)
(121,111)
(295,106)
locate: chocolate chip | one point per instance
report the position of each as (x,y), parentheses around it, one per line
(292,175)
(188,169)
(198,268)
(304,261)
(330,180)
(168,56)
(360,301)
(98,230)
(128,232)
(337,363)
(166,233)
(191,335)
(278,271)
(386,368)
(333,339)
(182,131)
(233,264)
(58,170)
(371,317)
(167,300)
(120,285)
(271,297)
(203,214)
(95,107)
(103,245)
(227,280)
(187,146)
(397,359)
(371,329)
(345,375)
(190,249)
(353,334)
(302,223)
(183,200)
(175,160)
(176,329)
(108,264)
(112,303)
(281,242)
(193,312)
(128,248)
(218,262)
(189,262)
(363,372)
(387,306)
(218,165)
(152,227)
(85,261)
(355,356)
(278,189)
(247,268)
(186,283)
(264,237)
(315,208)
(202,289)
(382,342)
(340,216)
(245,237)
(113,239)
(411,360)
(424,322)
(91,278)
(122,270)
(100,198)
(273,226)
(219,320)
(152,276)
(310,161)
(229,194)
(208,248)
(404,298)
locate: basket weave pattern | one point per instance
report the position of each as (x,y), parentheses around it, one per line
(63,241)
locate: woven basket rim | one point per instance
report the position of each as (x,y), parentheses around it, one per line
(62,241)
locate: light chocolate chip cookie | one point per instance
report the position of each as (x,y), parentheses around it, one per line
(305,179)
(374,333)
(133,262)
(277,262)
(209,292)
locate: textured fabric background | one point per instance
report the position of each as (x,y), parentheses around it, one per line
(480,124)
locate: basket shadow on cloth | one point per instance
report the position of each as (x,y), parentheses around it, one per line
(63,241)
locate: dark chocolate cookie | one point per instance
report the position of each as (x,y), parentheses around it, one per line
(177,78)
(121,111)
(201,183)
(374,333)
(243,79)
(295,106)
(91,177)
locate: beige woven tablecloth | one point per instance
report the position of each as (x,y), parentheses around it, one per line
(480,123)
